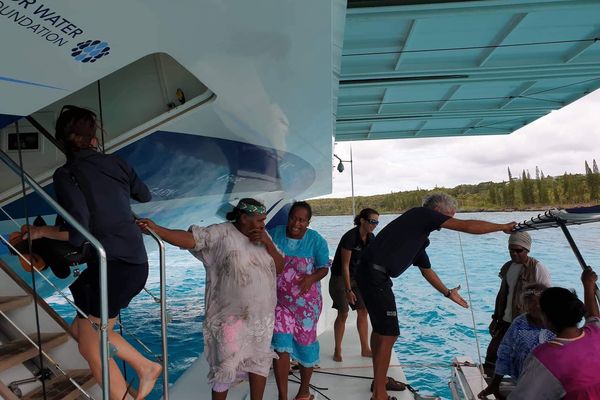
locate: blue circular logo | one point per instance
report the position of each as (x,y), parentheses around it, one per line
(90,51)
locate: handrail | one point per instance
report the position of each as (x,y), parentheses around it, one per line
(103,268)
(163,312)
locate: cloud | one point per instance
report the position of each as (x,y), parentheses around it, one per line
(557,143)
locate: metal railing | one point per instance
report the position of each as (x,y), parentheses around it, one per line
(163,312)
(102,258)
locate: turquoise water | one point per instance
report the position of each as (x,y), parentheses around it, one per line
(433,329)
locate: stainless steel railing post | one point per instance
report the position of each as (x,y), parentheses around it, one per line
(163,312)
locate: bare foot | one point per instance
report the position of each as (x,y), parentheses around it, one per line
(366,353)
(147,380)
(337,357)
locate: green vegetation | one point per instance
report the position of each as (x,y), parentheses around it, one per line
(518,193)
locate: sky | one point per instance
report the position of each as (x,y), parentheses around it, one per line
(557,143)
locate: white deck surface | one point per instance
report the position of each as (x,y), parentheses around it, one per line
(192,385)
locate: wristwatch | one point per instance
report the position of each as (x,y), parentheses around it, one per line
(347,290)
(448,293)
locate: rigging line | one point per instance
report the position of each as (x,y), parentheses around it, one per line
(310,385)
(29,247)
(497,46)
(123,361)
(101,116)
(11,218)
(462,254)
(50,359)
(563,86)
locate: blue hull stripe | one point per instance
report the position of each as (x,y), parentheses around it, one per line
(13,80)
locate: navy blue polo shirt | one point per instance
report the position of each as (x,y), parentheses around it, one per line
(402,242)
(350,241)
(96,189)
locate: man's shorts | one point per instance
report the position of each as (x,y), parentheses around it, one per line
(337,291)
(376,289)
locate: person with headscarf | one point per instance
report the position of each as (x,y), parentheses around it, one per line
(241,264)
(516,274)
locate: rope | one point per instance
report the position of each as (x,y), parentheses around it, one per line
(54,363)
(11,218)
(462,254)
(101,116)
(29,246)
(310,385)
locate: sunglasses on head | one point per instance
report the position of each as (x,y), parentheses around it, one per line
(373,221)
(518,251)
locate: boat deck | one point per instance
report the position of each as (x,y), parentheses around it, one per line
(193,383)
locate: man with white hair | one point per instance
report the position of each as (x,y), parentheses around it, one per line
(521,271)
(399,245)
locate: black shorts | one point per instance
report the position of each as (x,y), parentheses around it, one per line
(376,290)
(337,291)
(125,281)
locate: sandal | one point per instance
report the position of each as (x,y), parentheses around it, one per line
(392,385)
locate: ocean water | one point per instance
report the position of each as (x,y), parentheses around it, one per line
(433,329)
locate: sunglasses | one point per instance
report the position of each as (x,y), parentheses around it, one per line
(373,221)
(518,251)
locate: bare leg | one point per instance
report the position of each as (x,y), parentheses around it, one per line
(305,375)
(147,371)
(257,386)
(75,328)
(362,325)
(219,395)
(89,343)
(281,368)
(338,333)
(382,352)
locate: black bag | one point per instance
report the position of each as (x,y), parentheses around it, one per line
(59,255)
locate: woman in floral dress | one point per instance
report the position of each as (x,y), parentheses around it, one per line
(241,263)
(299,300)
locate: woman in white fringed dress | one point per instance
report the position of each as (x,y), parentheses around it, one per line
(241,264)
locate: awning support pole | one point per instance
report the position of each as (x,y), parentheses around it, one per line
(576,251)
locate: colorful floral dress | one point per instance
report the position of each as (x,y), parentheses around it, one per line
(296,315)
(240,303)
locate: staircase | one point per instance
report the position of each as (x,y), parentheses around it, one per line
(19,358)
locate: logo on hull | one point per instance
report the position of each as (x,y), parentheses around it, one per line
(90,51)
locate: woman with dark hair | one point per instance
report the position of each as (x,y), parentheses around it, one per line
(299,299)
(342,286)
(567,367)
(525,333)
(96,189)
(241,263)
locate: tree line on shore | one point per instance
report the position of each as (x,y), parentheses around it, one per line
(521,192)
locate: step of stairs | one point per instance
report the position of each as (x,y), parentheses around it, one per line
(61,388)
(8,303)
(20,350)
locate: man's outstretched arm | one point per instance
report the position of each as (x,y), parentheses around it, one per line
(476,226)
(435,281)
